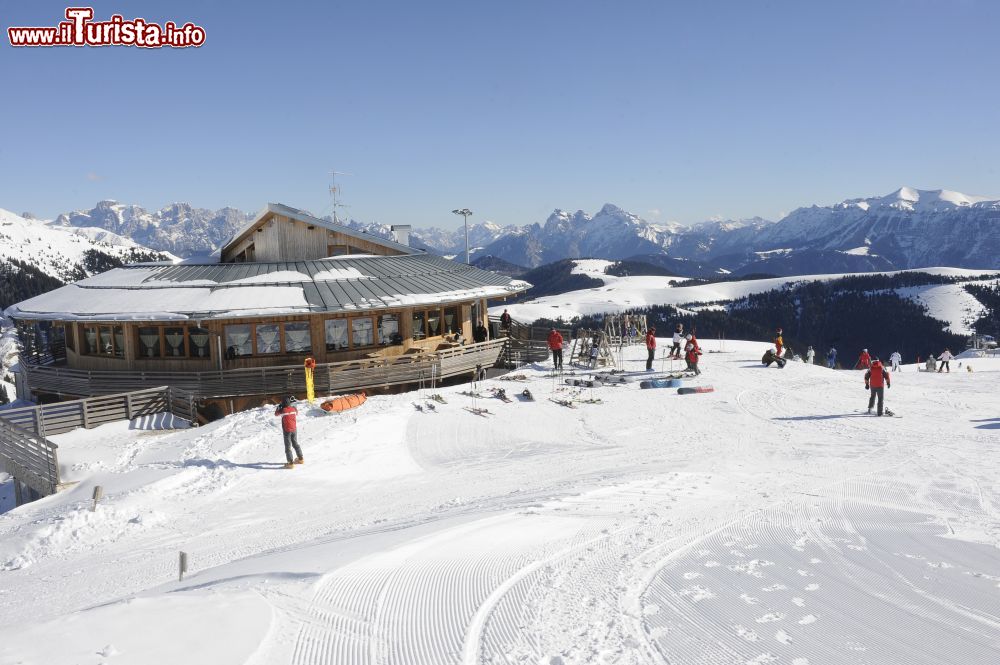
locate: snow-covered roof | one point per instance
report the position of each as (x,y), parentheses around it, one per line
(305,217)
(158,291)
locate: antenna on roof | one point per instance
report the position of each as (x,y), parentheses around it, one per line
(335,193)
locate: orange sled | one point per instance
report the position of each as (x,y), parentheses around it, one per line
(344,402)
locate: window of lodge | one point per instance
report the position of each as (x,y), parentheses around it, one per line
(103,340)
(388,329)
(171,342)
(436,322)
(362,332)
(336,334)
(266,339)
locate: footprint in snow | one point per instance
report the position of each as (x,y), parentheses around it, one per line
(771,617)
(774,587)
(692,575)
(746,633)
(712,564)
(807,619)
(783,637)
(800,661)
(749,600)
(812,587)
(798,601)
(815,560)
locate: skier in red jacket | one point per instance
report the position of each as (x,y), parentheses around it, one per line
(650,347)
(875,378)
(288,429)
(555,341)
(864,360)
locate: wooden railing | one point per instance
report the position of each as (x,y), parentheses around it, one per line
(328,377)
(31,458)
(59,417)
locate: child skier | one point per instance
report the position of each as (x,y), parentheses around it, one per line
(779,342)
(895,359)
(945,359)
(810,356)
(288,429)
(875,378)
(691,353)
(675,348)
(864,360)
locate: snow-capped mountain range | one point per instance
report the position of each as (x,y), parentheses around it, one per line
(908,228)
(179,228)
(64,253)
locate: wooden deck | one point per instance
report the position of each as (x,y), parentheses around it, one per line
(328,377)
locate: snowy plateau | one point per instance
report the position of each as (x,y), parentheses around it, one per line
(950,303)
(770,521)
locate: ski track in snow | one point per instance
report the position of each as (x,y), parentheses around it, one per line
(770,521)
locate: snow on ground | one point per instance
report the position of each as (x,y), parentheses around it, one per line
(948,302)
(624,293)
(769,521)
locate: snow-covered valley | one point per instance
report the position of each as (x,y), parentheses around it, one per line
(771,521)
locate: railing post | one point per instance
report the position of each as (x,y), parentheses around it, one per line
(128,406)
(86,415)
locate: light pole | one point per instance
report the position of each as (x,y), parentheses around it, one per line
(465,212)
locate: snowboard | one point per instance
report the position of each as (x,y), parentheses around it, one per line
(660,383)
(692,391)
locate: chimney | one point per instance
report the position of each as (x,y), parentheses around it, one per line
(401,233)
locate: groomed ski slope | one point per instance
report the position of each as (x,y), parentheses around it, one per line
(771,521)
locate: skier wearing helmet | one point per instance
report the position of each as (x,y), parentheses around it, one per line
(288,430)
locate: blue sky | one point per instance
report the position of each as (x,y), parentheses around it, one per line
(673,110)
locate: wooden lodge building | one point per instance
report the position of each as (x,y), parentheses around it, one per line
(372,312)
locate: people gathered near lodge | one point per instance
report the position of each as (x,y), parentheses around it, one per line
(650,347)
(555,342)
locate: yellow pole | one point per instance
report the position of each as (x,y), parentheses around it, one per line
(310,387)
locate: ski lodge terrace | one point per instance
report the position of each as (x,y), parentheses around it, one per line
(372,313)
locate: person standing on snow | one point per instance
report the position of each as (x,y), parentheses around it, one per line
(895,359)
(831,358)
(931,364)
(650,347)
(675,349)
(555,341)
(779,342)
(945,359)
(289,430)
(691,353)
(810,356)
(864,360)
(876,380)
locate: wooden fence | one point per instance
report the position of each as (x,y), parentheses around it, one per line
(31,458)
(328,377)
